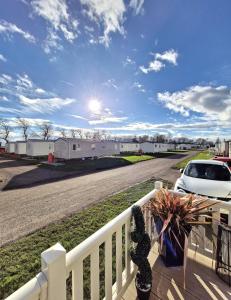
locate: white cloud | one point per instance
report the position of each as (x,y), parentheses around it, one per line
(28,97)
(109,13)
(9,28)
(137,5)
(48,105)
(79,117)
(111,83)
(139,87)
(40,91)
(213,102)
(56,13)
(24,81)
(104,120)
(104,116)
(174,126)
(4,98)
(22,84)
(10,110)
(169,56)
(157,64)
(129,61)
(2,58)
(5,79)
(52,42)
(154,65)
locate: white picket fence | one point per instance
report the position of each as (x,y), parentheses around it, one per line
(57,265)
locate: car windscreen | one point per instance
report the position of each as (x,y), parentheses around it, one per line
(208,171)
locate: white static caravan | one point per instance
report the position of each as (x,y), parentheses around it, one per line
(129,147)
(160,147)
(69,148)
(185,146)
(20,148)
(147,147)
(39,147)
(171,147)
(10,147)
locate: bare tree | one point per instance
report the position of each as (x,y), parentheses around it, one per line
(5,130)
(80,133)
(76,133)
(24,125)
(105,135)
(46,130)
(63,133)
(88,135)
(97,135)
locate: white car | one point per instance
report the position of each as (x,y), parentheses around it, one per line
(206,178)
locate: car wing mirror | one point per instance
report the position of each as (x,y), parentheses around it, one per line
(181,170)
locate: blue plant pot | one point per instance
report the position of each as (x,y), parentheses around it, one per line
(172,253)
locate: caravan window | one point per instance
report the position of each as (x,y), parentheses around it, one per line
(76,147)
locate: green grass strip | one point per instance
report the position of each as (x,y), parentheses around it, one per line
(200,155)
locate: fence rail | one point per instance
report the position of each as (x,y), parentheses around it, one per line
(109,246)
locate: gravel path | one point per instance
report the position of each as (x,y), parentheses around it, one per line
(24,210)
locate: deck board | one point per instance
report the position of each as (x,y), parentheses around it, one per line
(201,281)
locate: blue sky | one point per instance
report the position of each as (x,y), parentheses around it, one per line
(130,67)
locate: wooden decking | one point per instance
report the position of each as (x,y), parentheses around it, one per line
(201,281)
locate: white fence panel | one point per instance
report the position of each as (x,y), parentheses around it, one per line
(57,266)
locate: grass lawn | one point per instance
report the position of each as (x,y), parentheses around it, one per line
(199,155)
(20,261)
(137,158)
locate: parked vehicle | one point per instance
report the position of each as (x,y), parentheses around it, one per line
(224,159)
(210,178)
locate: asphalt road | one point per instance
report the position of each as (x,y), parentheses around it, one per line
(24,210)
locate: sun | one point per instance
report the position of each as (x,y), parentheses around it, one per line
(94,106)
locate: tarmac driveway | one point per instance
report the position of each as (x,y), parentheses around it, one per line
(24,210)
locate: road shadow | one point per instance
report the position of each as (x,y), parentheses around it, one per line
(176,156)
(6,162)
(72,169)
(44,174)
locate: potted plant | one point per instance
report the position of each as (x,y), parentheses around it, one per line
(174,217)
(143,280)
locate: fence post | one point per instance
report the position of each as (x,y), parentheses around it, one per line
(53,262)
(158,185)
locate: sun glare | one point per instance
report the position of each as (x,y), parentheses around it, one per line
(94,106)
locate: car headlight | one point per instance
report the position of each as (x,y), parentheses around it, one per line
(181,184)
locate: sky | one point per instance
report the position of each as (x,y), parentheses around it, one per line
(130,67)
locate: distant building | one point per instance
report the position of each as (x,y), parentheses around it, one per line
(70,148)
(129,147)
(145,147)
